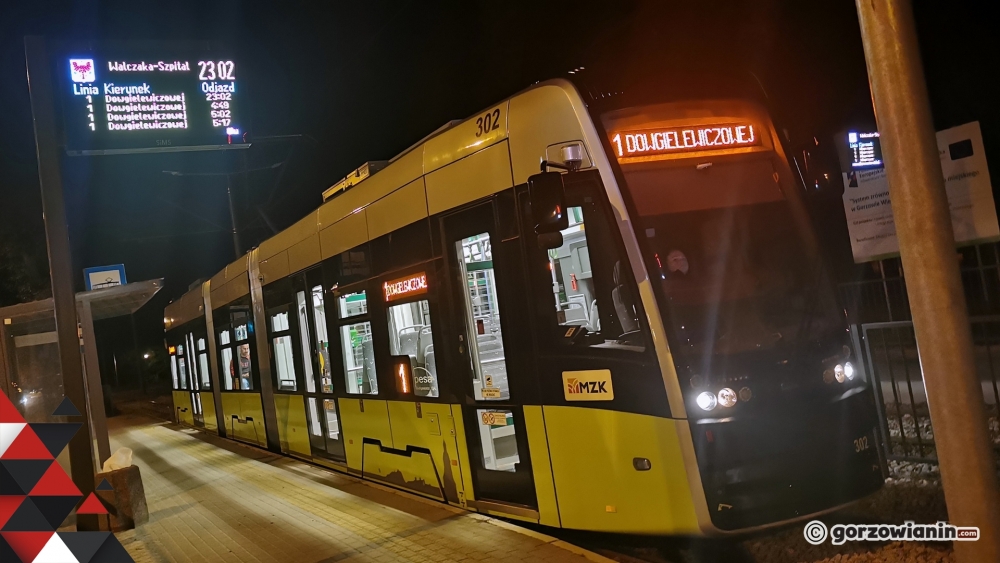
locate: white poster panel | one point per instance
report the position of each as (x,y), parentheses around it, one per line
(967,182)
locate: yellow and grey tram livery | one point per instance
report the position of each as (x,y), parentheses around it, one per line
(590,317)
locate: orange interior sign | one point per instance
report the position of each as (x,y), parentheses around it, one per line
(667,140)
(405,287)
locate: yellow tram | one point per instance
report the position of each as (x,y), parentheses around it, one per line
(638,339)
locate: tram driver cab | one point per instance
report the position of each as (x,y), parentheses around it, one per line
(562,230)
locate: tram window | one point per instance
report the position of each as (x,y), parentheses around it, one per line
(227,366)
(241,368)
(206,381)
(590,281)
(192,365)
(359,358)
(498,440)
(303,312)
(332,424)
(181,367)
(284,364)
(482,317)
(173,370)
(314,424)
(322,342)
(243,364)
(353,304)
(410,335)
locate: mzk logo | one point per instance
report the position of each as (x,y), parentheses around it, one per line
(588,385)
(574,385)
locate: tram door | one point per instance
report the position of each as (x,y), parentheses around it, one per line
(494,421)
(196,345)
(301,352)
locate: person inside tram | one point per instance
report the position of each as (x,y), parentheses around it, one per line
(245,367)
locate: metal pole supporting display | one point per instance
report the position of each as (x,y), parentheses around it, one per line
(60,264)
(927,250)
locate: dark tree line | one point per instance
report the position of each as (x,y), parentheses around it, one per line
(23,275)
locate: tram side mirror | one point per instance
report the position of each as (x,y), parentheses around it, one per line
(548,241)
(548,203)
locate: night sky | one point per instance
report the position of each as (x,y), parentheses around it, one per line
(362,81)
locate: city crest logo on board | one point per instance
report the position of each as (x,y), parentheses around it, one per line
(82,70)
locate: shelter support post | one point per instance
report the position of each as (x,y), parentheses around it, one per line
(60,262)
(927,249)
(95,390)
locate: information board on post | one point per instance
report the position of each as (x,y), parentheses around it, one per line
(866,191)
(129,98)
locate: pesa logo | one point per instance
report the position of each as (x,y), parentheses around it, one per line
(82,70)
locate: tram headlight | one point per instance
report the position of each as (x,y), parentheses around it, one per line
(839,374)
(727,397)
(706,401)
(849,370)
(745,394)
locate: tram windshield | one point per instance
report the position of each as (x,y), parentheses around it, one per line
(734,272)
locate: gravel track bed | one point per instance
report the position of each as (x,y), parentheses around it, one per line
(912,493)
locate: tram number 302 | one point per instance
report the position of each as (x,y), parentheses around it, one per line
(488,122)
(861,444)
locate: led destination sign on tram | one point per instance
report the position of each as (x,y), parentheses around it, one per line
(405,287)
(667,140)
(167,98)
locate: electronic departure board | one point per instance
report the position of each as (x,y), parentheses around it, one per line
(168,98)
(865,149)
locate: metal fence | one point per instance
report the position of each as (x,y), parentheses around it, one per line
(880,307)
(891,355)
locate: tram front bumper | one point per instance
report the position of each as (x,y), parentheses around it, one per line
(771,467)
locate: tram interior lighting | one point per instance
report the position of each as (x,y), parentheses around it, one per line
(707,401)
(727,397)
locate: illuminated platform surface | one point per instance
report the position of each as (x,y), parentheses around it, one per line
(213,500)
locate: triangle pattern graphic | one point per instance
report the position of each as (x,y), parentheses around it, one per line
(55,435)
(8,485)
(7,552)
(8,505)
(26,446)
(55,551)
(8,412)
(92,505)
(27,544)
(104,486)
(84,545)
(27,518)
(55,509)
(112,551)
(66,408)
(55,483)
(9,431)
(25,472)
